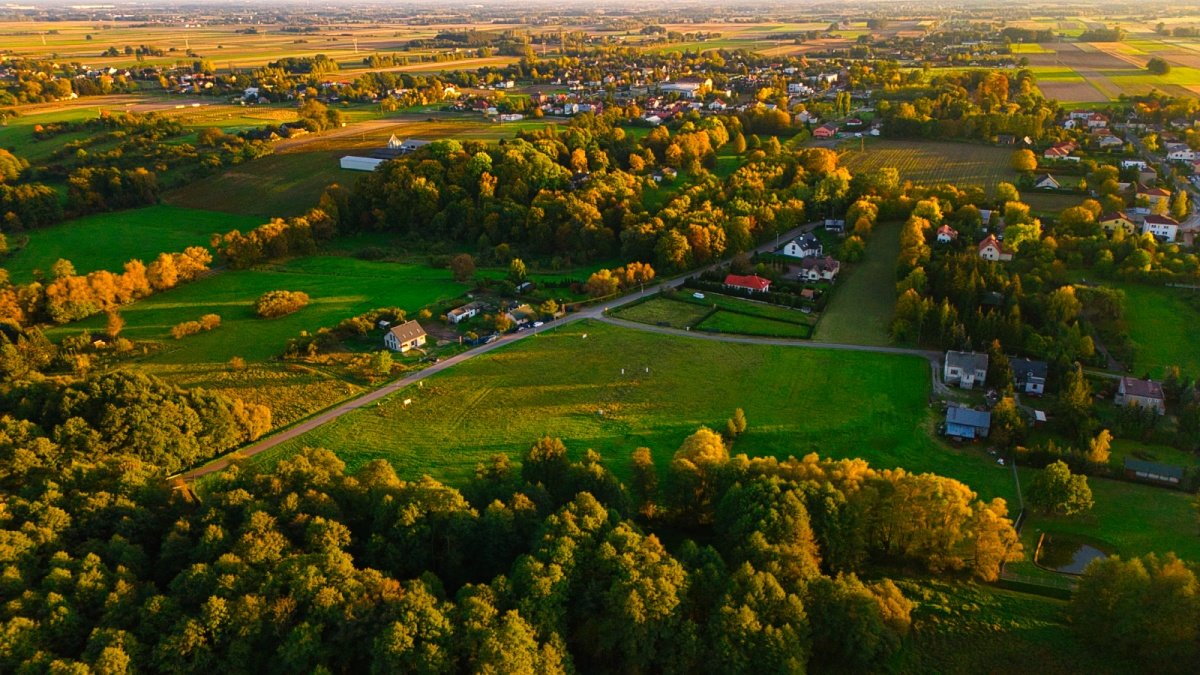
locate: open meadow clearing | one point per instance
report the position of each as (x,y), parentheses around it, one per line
(797,401)
(106,241)
(1162,322)
(863,302)
(929,162)
(339,288)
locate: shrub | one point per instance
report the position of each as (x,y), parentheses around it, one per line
(210,321)
(185,329)
(274,304)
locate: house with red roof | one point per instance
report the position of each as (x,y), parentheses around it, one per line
(992,249)
(825,131)
(752,283)
(946,234)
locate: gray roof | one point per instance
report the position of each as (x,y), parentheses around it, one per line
(1024,368)
(409,330)
(967,360)
(1168,470)
(968,417)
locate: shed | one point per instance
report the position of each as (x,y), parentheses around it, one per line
(1153,472)
(967,423)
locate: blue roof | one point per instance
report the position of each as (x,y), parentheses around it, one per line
(968,417)
(1168,470)
(960,431)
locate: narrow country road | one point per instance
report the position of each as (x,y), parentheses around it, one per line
(596,312)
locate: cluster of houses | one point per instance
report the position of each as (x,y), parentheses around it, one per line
(814,265)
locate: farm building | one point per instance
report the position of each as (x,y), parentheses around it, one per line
(804,246)
(460,314)
(352,163)
(752,283)
(406,336)
(967,424)
(966,369)
(1153,472)
(1144,393)
(1029,376)
(991,249)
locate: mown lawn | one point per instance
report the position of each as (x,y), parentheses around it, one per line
(279,185)
(664,311)
(743,324)
(863,303)
(797,401)
(108,240)
(1162,321)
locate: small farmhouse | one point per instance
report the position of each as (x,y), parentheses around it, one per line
(752,283)
(991,249)
(406,336)
(1029,376)
(966,369)
(946,234)
(460,314)
(967,424)
(1144,393)
(819,269)
(804,246)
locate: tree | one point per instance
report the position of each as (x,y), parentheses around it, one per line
(1024,160)
(1008,428)
(1057,491)
(1075,404)
(1007,192)
(114,324)
(602,284)
(645,481)
(381,363)
(1099,448)
(516,271)
(695,473)
(274,304)
(463,267)
(1158,66)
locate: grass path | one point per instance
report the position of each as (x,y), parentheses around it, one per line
(862,306)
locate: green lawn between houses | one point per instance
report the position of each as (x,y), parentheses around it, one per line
(106,241)
(1163,321)
(863,302)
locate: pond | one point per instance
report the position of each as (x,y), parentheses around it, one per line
(1067,554)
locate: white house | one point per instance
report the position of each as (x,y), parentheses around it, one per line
(946,234)
(991,249)
(1163,228)
(819,269)
(406,336)
(1046,182)
(966,369)
(804,246)
(1133,163)
(1184,154)
(460,314)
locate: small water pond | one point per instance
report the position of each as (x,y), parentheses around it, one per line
(1067,554)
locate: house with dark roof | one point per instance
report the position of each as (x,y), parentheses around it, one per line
(804,246)
(1046,182)
(967,424)
(752,283)
(1163,228)
(1153,472)
(1029,376)
(966,369)
(406,336)
(819,269)
(1144,393)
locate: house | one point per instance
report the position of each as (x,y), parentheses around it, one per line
(1164,228)
(1153,472)
(967,424)
(804,246)
(835,224)
(1046,182)
(752,283)
(1184,154)
(1029,376)
(819,269)
(413,144)
(522,315)
(1145,393)
(1061,152)
(946,234)
(1111,221)
(991,249)
(406,336)
(825,131)
(1133,164)
(966,369)
(460,314)
(1154,195)
(1109,140)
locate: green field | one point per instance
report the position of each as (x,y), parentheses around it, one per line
(279,185)
(863,302)
(339,288)
(108,240)
(662,310)
(1162,322)
(929,162)
(743,324)
(797,401)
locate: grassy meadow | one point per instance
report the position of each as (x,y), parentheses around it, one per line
(863,302)
(797,401)
(1162,322)
(106,241)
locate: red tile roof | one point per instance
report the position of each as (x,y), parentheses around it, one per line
(752,282)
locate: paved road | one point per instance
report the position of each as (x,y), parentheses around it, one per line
(593,312)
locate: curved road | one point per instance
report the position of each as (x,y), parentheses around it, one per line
(595,312)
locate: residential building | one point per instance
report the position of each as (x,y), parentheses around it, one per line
(1029,376)
(752,283)
(819,269)
(406,336)
(1164,228)
(966,369)
(967,424)
(992,249)
(460,314)
(946,234)
(804,246)
(1154,195)
(825,131)
(1144,393)
(1046,182)
(1112,221)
